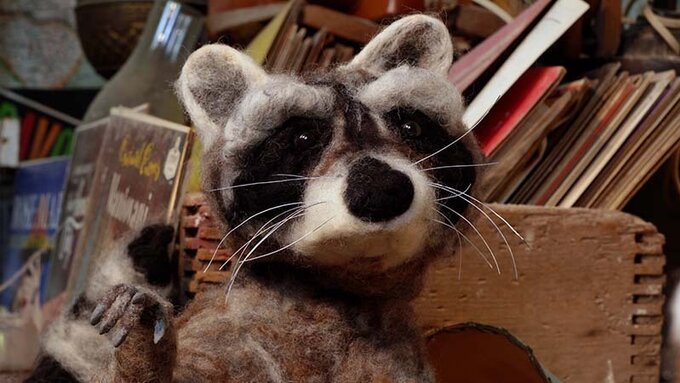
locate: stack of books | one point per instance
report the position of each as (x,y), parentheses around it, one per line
(590,142)
(125,171)
(304,37)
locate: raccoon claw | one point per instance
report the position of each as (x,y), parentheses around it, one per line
(158,331)
(97,314)
(119,337)
(126,307)
(111,307)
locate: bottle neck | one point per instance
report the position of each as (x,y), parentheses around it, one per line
(171,31)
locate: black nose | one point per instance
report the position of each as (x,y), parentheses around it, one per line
(376,192)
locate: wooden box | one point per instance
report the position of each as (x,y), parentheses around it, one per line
(588,299)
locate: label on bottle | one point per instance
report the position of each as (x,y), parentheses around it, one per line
(172,161)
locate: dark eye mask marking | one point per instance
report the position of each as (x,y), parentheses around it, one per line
(294,149)
(425,136)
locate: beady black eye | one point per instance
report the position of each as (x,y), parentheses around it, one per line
(304,140)
(411,125)
(410,129)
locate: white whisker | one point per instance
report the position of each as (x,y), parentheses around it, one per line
(262,229)
(499,217)
(241,224)
(464,192)
(493,256)
(461,166)
(290,244)
(443,148)
(460,255)
(460,137)
(453,194)
(460,234)
(240,263)
(512,255)
(460,242)
(462,195)
(260,183)
(277,226)
(289,175)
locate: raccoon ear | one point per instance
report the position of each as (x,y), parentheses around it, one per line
(213,80)
(416,40)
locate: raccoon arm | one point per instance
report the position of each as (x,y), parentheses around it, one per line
(71,344)
(144,261)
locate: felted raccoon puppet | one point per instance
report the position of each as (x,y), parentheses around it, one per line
(339,188)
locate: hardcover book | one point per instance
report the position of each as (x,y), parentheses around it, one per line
(138,177)
(468,69)
(552,25)
(89,139)
(515,106)
(34,222)
(88,142)
(6,195)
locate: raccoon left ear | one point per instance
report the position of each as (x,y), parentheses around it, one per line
(213,81)
(416,40)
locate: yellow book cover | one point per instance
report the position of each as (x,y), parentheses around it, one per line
(263,42)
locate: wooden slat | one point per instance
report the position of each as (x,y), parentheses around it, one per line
(340,24)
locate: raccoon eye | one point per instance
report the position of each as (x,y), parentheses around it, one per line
(304,140)
(410,129)
(410,124)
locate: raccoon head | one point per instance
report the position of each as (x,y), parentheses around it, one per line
(351,171)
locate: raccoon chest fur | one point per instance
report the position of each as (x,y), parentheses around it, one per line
(285,332)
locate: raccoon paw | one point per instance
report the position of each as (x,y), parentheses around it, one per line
(128,308)
(149,253)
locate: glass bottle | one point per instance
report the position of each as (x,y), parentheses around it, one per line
(170,35)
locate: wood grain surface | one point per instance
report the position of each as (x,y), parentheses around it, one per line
(589,296)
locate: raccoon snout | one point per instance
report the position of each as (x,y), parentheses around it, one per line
(376,192)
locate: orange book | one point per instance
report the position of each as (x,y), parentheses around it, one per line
(534,85)
(46,146)
(39,137)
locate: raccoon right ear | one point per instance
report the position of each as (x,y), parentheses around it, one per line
(213,81)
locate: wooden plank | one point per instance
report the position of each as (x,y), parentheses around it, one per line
(574,301)
(473,20)
(219,255)
(608,28)
(210,233)
(340,24)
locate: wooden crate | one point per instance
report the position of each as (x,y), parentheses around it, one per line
(588,299)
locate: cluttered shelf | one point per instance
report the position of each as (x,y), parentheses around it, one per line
(574,104)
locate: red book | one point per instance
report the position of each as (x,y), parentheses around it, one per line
(534,85)
(468,68)
(27,125)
